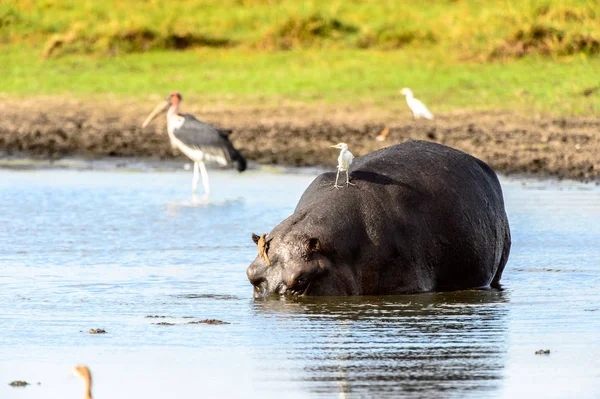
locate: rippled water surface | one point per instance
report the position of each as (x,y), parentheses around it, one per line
(124,251)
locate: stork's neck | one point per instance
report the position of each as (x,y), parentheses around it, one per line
(173,110)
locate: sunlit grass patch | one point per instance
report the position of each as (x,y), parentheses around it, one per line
(394,38)
(124,40)
(545,40)
(304,32)
(463,30)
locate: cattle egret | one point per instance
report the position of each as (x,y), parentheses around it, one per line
(344,162)
(198,140)
(418,109)
(84,372)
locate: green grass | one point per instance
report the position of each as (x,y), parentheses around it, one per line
(533,55)
(467,28)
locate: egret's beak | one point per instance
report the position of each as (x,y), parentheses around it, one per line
(159,108)
(334,146)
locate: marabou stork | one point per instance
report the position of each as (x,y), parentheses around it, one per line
(418,109)
(198,140)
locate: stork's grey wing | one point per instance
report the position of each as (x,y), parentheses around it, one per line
(203,136)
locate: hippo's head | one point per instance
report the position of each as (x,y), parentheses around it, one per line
(318,250)
(292,261)
(293,265)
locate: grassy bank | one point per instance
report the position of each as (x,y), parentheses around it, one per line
(528,56)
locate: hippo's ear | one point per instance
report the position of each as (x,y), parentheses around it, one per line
(313,245)
(255,238)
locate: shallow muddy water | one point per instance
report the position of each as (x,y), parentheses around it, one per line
(107,249)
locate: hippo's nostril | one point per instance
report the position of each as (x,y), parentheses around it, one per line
(255,277)
(260,290)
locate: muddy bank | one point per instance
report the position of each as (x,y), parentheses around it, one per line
(300,135)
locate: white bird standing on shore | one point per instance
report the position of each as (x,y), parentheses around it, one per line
(344,162)
(418,109)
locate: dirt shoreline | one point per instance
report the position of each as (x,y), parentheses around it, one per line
(299,135)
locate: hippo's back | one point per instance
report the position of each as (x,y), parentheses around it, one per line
(424,164)
(443,211)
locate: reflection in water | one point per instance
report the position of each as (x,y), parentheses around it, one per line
(454,342)
(201,202)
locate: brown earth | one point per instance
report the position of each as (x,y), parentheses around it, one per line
(566,147)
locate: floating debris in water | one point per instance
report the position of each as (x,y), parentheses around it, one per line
(542,352)
(19,384)
(208,321)
(97,331)
(164,323)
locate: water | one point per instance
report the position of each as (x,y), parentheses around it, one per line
(107,249)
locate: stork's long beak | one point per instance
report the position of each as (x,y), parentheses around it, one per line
(159,108)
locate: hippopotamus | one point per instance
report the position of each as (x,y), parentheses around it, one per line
(421,217)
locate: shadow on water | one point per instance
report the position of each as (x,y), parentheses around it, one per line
(428,343)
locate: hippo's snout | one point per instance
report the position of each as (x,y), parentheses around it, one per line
(255,274)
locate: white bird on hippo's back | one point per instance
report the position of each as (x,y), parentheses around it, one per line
(344,161)
(418,109)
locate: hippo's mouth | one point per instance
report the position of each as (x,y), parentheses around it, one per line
(295,291)
(262,291)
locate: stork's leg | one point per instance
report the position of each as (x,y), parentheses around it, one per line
(336,179)
(204,179)
(195,178)
(348,179)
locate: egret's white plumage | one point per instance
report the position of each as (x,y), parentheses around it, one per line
(418,109)
(344,161)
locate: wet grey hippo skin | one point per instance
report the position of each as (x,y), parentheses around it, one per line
(422,217)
